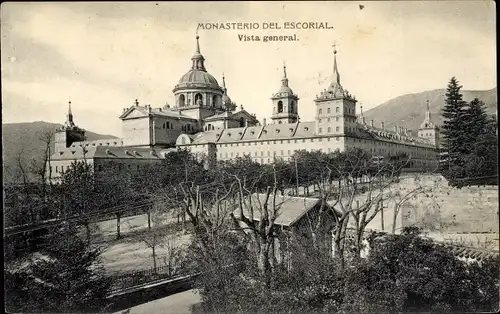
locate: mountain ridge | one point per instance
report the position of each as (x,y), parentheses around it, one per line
(409,110)
(22,140)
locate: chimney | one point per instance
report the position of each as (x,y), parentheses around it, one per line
(383,125)
(264,122)
(372,123)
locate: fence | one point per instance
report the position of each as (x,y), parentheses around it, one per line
(128,280)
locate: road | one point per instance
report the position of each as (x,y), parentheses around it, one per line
(179,303)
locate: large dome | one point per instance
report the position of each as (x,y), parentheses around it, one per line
(198,78)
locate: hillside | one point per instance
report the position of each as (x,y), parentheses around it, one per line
(409,110)
(24,138)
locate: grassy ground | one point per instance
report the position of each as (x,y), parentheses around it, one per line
(133,251)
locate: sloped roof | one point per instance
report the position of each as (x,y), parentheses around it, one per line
(144,110)
(206,137)
(305,129)
(102,142)
(231,135)
(107,152)
(290,208)
(219,116)
(366,131)
(252,133)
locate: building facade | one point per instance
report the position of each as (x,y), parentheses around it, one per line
(207,122)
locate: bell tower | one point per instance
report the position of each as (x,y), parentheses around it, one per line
(68,133)
(428,130)
(285,103)
(335,107)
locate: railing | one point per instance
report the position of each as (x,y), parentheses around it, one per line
(128,280)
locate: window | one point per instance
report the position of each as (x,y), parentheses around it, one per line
(337,129)
(337,139)
(320,130)
(329,129)
(56,169)
(288,152)
(320,140)
(320,111)
(281,152)
(328,120)
(99,168)
(328,110)
(304,140)
(268,153)
(280,106)
(261,153)
(319,120)
(337,119)
(337,109)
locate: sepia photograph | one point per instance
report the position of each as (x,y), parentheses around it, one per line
(241,157)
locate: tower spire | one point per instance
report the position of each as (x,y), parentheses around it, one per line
(69,116)
(336,73)
(223,81)
(428,111)
(198,44)
(198,59)
(284,80)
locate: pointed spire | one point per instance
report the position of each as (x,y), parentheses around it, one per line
(223,81)
(69,116)
(336,74)
(428,112)
(198,58)
(198,44)
(284,80)
(361,114)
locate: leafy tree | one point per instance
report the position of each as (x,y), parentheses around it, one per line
(65,276)
(410,274)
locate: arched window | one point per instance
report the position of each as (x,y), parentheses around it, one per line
(291,108)
(242,122)
(320,111)
(198,100)
(164,126)
(280,106)
(182,100)
(279,122)
(214,101)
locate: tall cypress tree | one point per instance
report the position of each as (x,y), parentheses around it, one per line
(454,133)
(453,112)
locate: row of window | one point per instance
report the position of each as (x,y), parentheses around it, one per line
(268,154)
(328,120)
(170,126)
(328,110)
(312,140)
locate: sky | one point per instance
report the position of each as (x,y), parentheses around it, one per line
(102,56)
